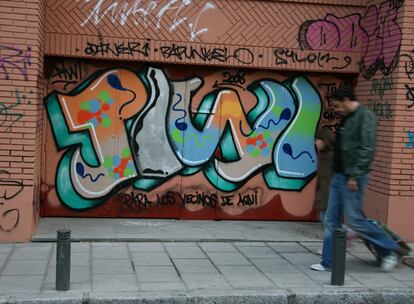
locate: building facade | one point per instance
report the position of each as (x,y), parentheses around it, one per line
(195,109)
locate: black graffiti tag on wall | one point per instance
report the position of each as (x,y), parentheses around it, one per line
(138,200)
(322,59)
(232,78)
(409,95)
(170,50)
(103,48)
(330,116)
(66,73)
(240,199)
(408,61)
(207,54)
(9,189)
(382,109)
(9,115)
(211,199)
(200,199)
(380,85)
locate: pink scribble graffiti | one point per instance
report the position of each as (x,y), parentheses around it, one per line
(376,34)
(13,57)
(333,34)
(382,51)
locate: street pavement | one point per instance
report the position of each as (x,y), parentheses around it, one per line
(171,261)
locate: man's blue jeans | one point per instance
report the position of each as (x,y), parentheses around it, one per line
(348,204)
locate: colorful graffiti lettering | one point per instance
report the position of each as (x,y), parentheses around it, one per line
(105,154)
(121,127)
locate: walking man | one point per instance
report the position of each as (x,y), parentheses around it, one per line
(354,152)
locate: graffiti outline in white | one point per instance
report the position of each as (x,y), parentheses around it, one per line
(122,11)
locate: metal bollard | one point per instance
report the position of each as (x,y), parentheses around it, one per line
(63,259)
(338,259)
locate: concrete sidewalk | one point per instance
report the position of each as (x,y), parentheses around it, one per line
(252,262)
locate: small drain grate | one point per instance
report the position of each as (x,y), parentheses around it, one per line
(409,261)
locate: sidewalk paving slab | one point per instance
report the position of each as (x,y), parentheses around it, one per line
(195,269)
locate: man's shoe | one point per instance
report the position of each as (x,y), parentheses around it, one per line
(319,267)
(319,251)
(389,262)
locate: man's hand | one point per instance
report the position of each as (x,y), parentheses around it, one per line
(320,145)
(352,185)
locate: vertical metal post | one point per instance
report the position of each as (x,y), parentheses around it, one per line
(63,259)
(338,259)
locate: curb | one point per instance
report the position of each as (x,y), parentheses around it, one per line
(360,296)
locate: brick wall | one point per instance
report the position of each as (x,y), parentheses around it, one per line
(387,92)
(21,92)
(237,33)
(404,118)
(392,130)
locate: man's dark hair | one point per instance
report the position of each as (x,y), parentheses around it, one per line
(343,92)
